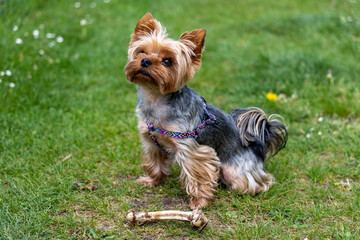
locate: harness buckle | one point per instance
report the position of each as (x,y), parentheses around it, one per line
(150,127)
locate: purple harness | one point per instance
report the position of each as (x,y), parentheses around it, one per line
(191,134)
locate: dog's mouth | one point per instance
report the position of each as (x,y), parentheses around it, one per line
(143,73)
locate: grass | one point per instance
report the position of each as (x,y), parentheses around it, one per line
(69,147)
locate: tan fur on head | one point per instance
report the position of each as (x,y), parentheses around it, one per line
(146,26)
(196,36)
(150,41)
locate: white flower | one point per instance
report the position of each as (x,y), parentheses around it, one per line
(320,119)
(35,34)
(59,39)
(15,28)
(106,1)
(83,22)
(311,129)
(29,76)
(8,73)
(18,41)
(52,43)
(77,5)
(308,135)
(11,84)
(93,5)
(329,74)
(319,133)
(50,35)
(2,73)
(41,52)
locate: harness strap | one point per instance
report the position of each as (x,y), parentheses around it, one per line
(162,149)
(194,133)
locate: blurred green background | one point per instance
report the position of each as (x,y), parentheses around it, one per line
(69,147)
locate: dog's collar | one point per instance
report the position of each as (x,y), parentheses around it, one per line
(211,119)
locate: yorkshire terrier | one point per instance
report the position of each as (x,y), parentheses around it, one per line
(176,124)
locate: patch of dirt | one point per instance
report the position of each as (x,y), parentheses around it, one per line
(217,225)
(125,177)
(175,203)
(138,204)
(324,155)
(75,231)
(107,225)
(84,214)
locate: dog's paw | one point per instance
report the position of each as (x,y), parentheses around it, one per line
(197,203)
(147,181)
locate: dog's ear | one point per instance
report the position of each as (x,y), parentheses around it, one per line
(195,40)
(145,26)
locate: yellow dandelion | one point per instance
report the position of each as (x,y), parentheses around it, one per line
(271,96)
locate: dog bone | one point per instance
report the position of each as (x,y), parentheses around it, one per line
(196,217)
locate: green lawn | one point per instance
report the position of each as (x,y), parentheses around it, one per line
(69,146)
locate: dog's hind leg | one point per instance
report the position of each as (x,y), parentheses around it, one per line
(246,176)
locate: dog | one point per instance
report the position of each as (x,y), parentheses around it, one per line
(177,125)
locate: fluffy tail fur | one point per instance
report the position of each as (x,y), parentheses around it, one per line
(256,129)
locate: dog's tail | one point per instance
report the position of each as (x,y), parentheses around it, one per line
(267,135)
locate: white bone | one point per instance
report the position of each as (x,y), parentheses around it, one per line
(196,218)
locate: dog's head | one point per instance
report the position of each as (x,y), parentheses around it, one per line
(160,62)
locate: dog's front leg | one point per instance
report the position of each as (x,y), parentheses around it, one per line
(199,171)
(155,163)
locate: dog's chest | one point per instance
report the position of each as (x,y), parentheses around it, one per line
(156,140)
(157,113)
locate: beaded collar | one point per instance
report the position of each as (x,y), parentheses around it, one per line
(191,134)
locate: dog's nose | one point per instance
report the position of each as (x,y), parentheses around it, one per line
(145,62)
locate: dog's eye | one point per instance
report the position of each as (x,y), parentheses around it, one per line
(142,51)
(166,62)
